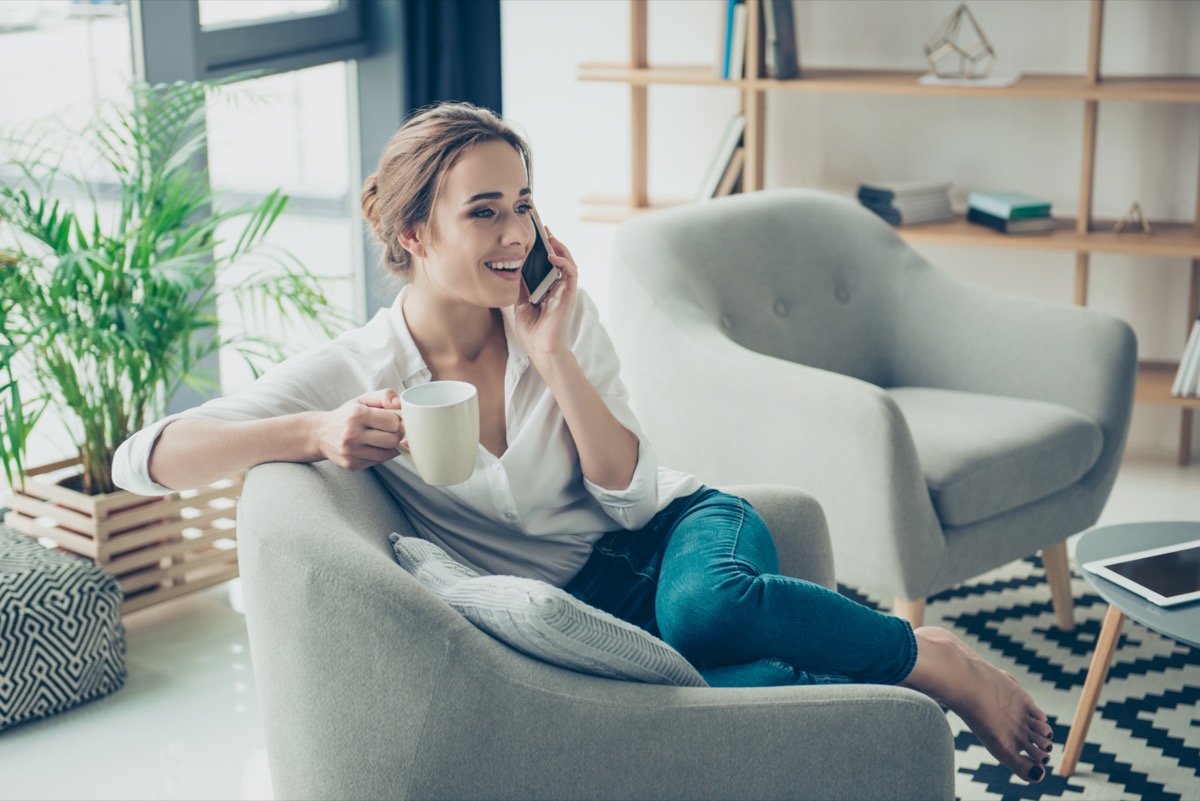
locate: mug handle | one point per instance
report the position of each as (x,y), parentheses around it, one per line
(400,447)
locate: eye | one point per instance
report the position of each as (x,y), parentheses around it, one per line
(524,208)
(483,213)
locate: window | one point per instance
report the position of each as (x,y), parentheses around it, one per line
(290,131)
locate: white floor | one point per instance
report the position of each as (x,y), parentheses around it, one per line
(186,724)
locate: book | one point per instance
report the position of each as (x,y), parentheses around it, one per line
(1009,205)
(731,139)
(1028,225)
(886,191)
(733,174)
(898,216)
(723,71)
(781,47)
(1187,377)
(909,204)
(737,47)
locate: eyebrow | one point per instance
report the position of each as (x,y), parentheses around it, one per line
(493,196)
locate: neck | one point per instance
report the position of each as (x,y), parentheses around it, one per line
(449,331)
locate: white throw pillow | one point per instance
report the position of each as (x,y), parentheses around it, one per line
(544,621)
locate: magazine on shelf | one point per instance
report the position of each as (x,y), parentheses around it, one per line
(1187,377)
(731,139)
(1026,225)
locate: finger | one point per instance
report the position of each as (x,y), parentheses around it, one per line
(381,398)
(384,420)
(380,439)
(372,454)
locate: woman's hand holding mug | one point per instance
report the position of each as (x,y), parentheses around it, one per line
(362,432)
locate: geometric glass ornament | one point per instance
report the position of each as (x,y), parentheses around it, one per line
(1133,217)
(950,56)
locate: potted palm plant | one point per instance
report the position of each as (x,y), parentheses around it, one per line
(104,316)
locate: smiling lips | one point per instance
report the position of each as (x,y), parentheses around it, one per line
(508,270)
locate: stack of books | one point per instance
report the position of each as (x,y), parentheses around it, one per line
(780,49)
(1010,212)
(1187,379)
(908,202)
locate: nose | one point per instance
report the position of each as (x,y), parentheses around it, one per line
(518,230)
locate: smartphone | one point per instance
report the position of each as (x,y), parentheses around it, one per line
(537,272)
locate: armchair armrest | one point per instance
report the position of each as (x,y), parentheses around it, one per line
(954,335)
(844,441)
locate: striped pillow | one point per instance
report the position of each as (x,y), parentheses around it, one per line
(545,622)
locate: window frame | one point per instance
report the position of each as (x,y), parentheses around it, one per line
(174,46)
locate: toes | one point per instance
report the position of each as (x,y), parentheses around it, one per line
(1041,741)
(1037,753)
(1026,768)
(1041,727)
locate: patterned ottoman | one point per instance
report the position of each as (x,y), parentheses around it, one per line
(61,638)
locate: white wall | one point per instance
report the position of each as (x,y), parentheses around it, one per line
(1146,152)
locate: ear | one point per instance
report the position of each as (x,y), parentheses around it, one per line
(413,240)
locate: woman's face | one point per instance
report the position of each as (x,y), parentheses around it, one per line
(481,228)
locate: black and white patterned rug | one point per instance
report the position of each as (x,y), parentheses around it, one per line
(1144,740)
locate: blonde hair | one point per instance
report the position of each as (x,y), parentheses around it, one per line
(400,195)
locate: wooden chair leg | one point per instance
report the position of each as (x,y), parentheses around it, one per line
(912,610)
(1106,644)
(1058,575)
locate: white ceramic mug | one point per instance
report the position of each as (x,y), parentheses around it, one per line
(441,424)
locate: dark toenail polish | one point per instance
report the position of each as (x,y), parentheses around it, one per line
(1035,774)
(1050,748)
(1046,761)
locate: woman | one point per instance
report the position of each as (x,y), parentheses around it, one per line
(561,456)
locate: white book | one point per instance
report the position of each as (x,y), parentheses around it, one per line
(720,162)
(1188,375)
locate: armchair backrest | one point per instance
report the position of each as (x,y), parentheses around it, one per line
(797,274)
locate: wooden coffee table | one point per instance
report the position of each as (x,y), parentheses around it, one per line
(1180,623)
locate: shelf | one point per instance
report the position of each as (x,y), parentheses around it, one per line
(1154,385)
(1169,240)
(1146,89)
(696,75)
(617,208)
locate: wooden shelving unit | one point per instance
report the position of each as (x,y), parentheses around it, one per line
(1082,235)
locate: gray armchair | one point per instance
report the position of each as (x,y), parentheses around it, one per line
(370,687)
(792,337)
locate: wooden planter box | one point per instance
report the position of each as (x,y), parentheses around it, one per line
(158,548)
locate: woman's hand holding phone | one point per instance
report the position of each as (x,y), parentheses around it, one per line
(542,326)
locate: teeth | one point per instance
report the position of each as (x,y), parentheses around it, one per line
(507,266)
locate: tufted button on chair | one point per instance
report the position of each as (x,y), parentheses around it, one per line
(946,429)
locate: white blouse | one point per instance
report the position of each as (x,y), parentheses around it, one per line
(528,513)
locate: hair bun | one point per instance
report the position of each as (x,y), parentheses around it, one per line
(370,200)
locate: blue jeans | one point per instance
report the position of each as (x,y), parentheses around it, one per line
(703,575)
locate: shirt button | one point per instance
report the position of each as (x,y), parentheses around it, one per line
(495,465)
(509,516)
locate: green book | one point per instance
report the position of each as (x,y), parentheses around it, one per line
(1009,205)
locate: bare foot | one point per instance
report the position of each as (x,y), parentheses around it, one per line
(989,700)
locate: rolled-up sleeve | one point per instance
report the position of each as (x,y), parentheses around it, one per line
(633,506)
(317,380)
